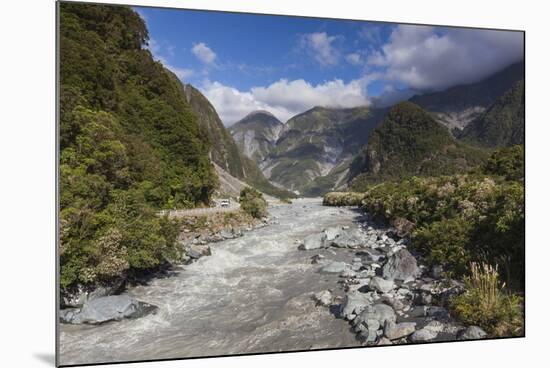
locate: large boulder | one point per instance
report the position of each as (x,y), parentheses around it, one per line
(109,308)
(313,241)
(401,266)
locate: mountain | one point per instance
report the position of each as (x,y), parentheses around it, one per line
(503,124)
(457,106)
(315,148)
(224,152)
(256,134)
(410,142)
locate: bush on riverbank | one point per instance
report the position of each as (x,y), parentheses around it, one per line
(485,303)
(343,199)
(253,202)
(462,218)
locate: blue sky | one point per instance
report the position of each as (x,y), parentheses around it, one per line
(287,65)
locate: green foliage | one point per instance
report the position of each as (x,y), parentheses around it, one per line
(507,162)
(253,202)
(130,145)
(485,303)
(343,199)
(458,219)
(410,142)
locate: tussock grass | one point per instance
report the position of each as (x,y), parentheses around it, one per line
(487,304)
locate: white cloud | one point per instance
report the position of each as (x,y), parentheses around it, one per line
(354,58)
(319,44)
(204,53)
(284,98)
(428,58)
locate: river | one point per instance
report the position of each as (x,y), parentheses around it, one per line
(253,294)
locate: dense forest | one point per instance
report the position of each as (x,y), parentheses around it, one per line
(130,145)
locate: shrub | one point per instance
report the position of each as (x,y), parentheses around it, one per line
(253,202)
(507,162)
(485,303)
(343,199)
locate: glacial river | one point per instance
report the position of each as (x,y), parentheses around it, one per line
(252,295)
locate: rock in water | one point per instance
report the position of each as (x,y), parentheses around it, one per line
(313,241)
(401,266)
(394,331)
(323,298)
(381,285)
(472,333)
(332,233)
(334,267)
(196,251)
(109,308)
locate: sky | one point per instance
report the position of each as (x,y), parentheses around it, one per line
(287,65)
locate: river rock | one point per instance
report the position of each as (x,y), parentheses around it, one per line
(196,251)
(313,241)
(381,285)
(323,298)
(378,312)
(109,308)
(226,234)
(332,233)
(349,239)
(472,333)
(423,335)
(353,304)
(394,331)
(334,267)
(401,266)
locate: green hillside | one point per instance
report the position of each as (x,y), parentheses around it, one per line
(130,145)
(410,142)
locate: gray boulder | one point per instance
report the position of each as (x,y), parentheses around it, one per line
(349,239)
(394,331)
(196,251)
(401,266)
(377,312)
(381,285)
(353,305)
(313,241)
(472,333)
(109,308)
(423,335)
(334,267)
